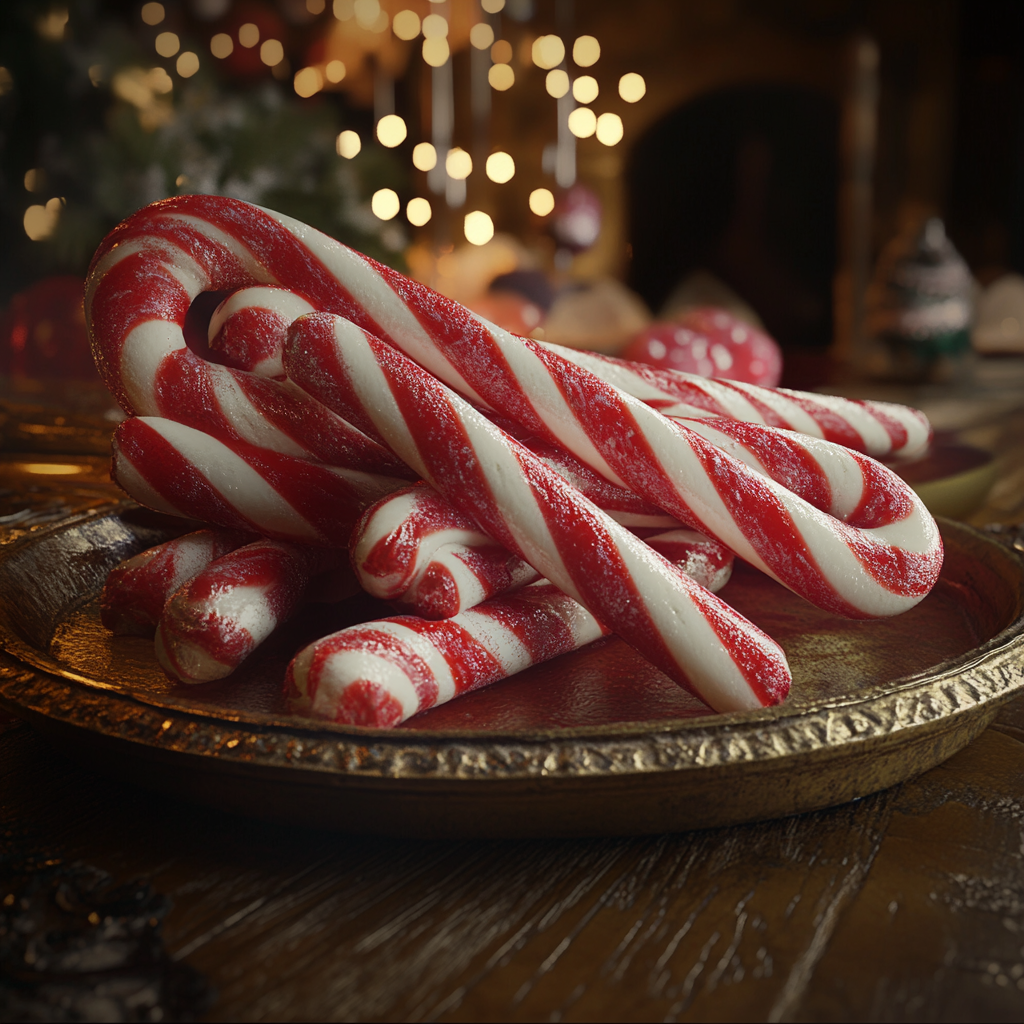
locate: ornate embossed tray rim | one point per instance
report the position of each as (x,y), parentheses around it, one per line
(626,778)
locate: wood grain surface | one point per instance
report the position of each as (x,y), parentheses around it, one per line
(908,905)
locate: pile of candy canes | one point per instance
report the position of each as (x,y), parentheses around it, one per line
(515,500)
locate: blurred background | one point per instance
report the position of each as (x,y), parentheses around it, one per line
(846,176)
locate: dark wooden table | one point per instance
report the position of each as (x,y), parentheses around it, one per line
(908,905)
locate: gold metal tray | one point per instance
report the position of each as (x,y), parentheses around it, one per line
(594,743)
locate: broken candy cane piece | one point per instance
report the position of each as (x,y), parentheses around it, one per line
(219,617)
(136,591)
(381,673)
(417,551)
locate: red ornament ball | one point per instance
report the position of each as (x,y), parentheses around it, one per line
(709,342)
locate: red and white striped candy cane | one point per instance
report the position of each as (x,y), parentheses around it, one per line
(182,471)
(417,551)
(381,673)
(880,429)
(250,326)
(851,571)
(219,617)
(687,632)
(136,591)
(141,284)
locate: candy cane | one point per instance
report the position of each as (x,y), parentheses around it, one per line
(415,550)
(136,591)
(381,673)
(851,571)
(880,429)
(184,472)
(518,501)
(220,616)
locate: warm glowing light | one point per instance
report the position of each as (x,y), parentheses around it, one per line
(307,82)
(96,74)
(152,14)
(367,12)
(492,6)
(385,203)
(315,6)
(272,53)
(391,131)
(481,35)
(187,64)
(501,52)
(167,44)
(335,71)
(501,77)
(458,164)
(585,89)
(406,24)
(632,87)
(435,27)
(609,129)
(51,26)
(249,35)
(222,45)
(582,122)
(348,145)
(159,81)
(343,9)
(557,83)
(53,468)
(500,167)
(548,52)
(542,202)
(478,227)
(40,222)
(424,157)
(418,212)
(435,51)
(35,179)
(586,51)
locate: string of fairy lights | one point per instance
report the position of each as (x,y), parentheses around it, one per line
(447,166)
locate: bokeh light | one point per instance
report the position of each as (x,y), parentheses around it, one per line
(632,87)
(418,212)
(542,202)
(500,167)
(222,45)
(152,14)
(458,164)
(424,156)
(40,222)
(435,51)
(478,227)
(406,24)
(548,51)
(249,35)
(335,71)
(582,122)
(501,52)
(272,53)
(308,82)
(435,27)
(557,83)
(586,51)
(609,129)
(585,89)
(385,203)
(187,64)
(481,35)
(492,6)
(391,131)
(501,77)
(348,144)
(167,44)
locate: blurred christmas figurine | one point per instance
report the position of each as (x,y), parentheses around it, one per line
(920,307)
